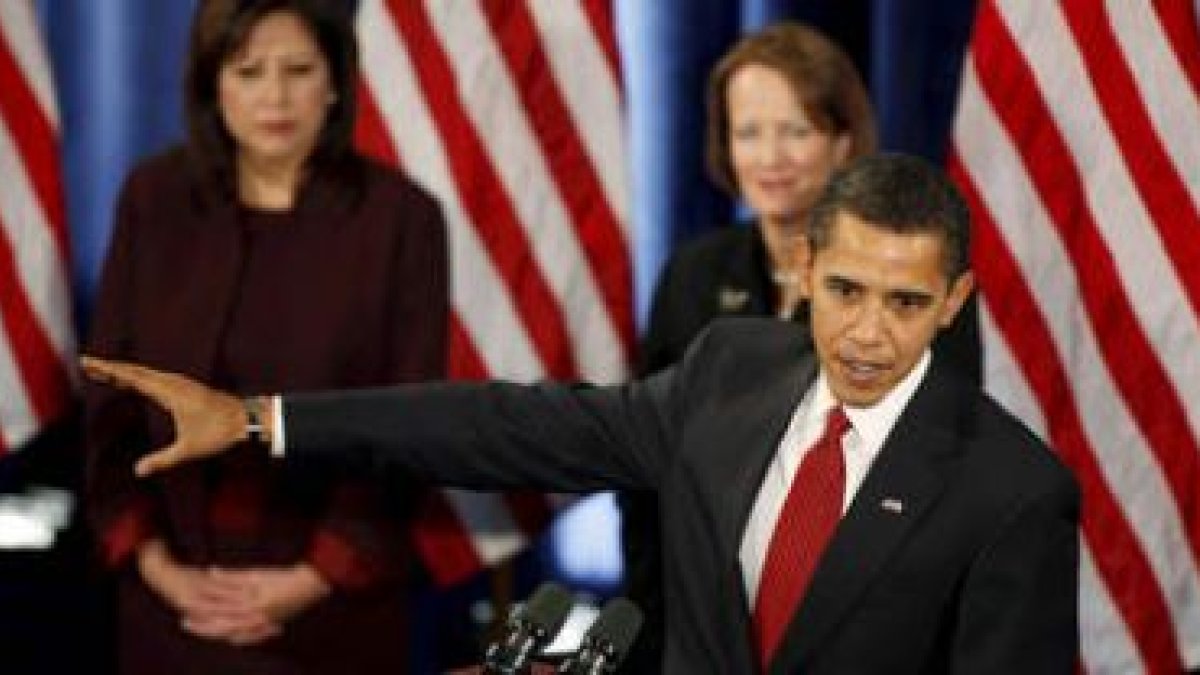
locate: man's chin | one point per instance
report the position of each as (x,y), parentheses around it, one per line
(858,396)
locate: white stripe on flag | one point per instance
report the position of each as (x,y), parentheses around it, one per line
(1106,645)
(18,422)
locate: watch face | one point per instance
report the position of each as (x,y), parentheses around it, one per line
(255,428)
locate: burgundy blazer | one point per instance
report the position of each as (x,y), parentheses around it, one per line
(371,310)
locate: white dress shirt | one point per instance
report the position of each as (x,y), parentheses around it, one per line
(869,428)
(275,411)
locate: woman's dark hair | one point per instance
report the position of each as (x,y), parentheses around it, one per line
(822,77)
(220,29)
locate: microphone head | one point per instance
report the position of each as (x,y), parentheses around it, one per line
(528,629)
(614,630)
(547,609)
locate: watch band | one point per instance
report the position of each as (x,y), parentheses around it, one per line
(256,427)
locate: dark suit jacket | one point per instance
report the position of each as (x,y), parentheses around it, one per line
(975,574)
(720,274)
(366,305)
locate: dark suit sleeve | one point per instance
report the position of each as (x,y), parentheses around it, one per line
(557,437)
(122,510)
(357,540)
(1018,611)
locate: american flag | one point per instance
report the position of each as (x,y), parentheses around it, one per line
(37,342)
(1076,140)
(510,111)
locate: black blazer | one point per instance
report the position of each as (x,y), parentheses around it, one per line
(976,573)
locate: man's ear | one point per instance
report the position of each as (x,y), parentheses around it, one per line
(960,290)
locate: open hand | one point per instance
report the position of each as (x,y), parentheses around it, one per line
(206,421)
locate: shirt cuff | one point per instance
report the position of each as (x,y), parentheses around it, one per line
(278,442)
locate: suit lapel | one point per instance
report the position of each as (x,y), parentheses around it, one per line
(905,480)
(749,437)
(762,420)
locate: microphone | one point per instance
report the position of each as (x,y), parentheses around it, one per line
(528,629)
(608,641)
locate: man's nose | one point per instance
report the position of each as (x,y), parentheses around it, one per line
(867,324)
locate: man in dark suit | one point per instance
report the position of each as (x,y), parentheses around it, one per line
(833,505)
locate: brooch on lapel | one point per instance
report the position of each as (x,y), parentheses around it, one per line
(732,299)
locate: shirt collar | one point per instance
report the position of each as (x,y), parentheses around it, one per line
(872,423)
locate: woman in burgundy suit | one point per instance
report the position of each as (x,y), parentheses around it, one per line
(264,255)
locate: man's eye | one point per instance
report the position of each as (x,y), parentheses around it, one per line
(910,303)
(842,289)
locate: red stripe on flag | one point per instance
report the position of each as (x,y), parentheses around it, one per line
(1179,21)
(1119,559)
(1131,359)
(1161,187)
(595,223)
(599,14)
(370,133)
(46,383)
(465,362)
(450,556)
(483,195)
(530,511)
(36,143)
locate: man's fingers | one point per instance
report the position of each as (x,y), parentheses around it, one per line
(159,461)
(151,383)
(112,372)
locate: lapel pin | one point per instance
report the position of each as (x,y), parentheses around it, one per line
(732,299)
(892,504)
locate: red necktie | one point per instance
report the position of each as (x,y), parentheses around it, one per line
(806,523)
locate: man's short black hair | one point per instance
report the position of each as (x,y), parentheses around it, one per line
(901,194)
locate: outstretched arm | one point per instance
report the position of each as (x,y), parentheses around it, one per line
(482,436)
